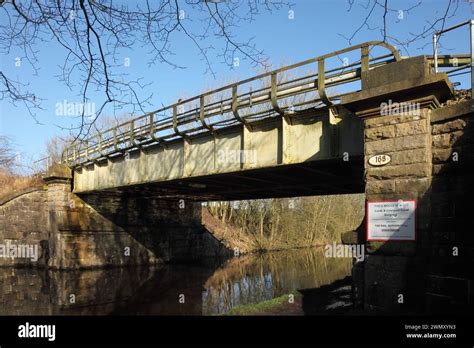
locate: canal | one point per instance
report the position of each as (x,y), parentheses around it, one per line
(206,288)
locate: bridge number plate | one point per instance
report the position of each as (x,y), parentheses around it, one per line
(391,221)
(379,160)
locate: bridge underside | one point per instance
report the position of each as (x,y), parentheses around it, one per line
(304,179)
(313,153)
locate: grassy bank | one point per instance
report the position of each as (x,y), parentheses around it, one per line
(276,306)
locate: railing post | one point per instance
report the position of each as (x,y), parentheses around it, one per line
(250,97)
(364,58)
(175,123)
(202,115)
(322,83)
(132,133)
(364,64)
(273,94)
(471,27)
(87,149)
(175,119)
(99,135)
(152,126)
(115,138)
(235,106)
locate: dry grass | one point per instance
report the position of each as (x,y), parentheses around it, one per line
(10,183)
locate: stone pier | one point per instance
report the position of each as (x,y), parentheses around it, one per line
(405,117)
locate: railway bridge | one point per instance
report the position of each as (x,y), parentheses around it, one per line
(389,126)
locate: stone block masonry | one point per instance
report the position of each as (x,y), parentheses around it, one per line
(431,162)
(391,280)
(450,251)
(24,222)
(100,230)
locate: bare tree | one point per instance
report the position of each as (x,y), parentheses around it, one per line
(282,223)
(377,18)
(93,33)
(7,155)
(55,147)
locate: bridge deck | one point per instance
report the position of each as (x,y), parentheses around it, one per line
(289,137)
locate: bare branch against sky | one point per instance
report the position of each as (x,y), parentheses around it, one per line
(377,12)
(92,33)
(84,46)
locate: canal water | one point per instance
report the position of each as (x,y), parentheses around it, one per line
(199,289)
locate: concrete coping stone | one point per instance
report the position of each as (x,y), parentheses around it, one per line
(460,109)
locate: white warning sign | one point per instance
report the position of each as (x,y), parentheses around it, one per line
(391,220)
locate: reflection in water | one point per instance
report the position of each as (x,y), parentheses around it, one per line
(256,278)
(167,289)
(25,291)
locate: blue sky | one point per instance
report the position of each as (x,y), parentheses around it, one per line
(317,28)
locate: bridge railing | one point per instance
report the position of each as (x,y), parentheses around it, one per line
(456,63)
(230,105)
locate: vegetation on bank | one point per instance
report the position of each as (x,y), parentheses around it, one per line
(284,223)
(279,305)
(9,183)
(10,180)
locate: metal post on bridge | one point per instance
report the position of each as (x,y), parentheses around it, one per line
(436,36)
(471,30)
(435,51)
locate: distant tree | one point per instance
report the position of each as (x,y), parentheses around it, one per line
(282,223)
(7,154)
(55,147)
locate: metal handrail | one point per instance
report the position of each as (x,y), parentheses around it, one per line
(144,130)
(436,36)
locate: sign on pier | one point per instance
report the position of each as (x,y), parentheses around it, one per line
(391,221)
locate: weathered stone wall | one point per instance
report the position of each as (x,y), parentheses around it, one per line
(108,225)
(24,221)
(122,229)
(391,267)
(433,273)
(432,162)
(450,280)
(105,229)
